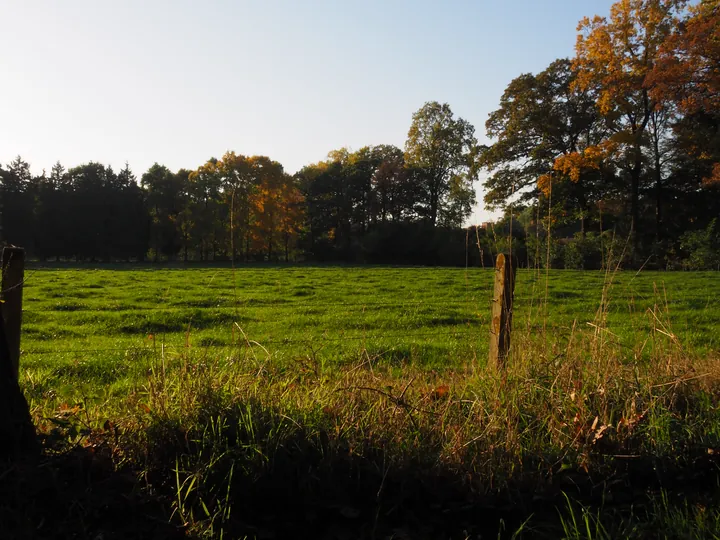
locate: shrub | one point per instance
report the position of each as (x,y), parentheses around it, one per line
(538,255)
(702,248)
(584,253)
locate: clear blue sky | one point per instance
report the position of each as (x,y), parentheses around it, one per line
(180,81)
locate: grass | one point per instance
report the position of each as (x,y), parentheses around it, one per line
(356,403)
(442,312)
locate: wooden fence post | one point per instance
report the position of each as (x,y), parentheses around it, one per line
(13,272)
(501,322)
(17,433)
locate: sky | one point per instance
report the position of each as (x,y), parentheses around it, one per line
(178,82)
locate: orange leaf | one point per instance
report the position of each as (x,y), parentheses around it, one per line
(440,392)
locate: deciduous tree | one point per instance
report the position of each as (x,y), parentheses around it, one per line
(614,58)
(543,119)
(688,73)
(443,149)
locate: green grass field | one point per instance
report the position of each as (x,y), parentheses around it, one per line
(88,322)
(355,402)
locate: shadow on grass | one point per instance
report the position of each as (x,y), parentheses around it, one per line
(313,485)
(80,494)
(204,452)
(248,474)
(239,480)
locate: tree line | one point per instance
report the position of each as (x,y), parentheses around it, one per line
(354,206)
(620,142)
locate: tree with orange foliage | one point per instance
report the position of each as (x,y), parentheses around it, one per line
(245,206)
(688,74)
(688,66)
(615,57)
(292,214)
(240,181)
(276,209)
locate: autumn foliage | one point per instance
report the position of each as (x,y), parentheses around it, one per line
(626,134)
(261,205)
(687,70)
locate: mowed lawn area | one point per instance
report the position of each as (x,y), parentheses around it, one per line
(86,325)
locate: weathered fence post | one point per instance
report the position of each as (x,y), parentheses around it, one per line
(13,272)
(501,322)
(17,433)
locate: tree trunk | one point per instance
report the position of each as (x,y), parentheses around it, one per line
(635,173)
(157,235)
(582,202)
(434,202)
(634,206)
(658,192)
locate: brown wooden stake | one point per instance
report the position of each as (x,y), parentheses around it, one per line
(501,322)
(13,274)
(17,433)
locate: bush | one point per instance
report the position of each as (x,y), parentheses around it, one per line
(418,243)
(537,252)
(584,253)
(702,248)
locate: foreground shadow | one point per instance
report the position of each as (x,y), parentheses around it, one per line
(78,494)
(243,478)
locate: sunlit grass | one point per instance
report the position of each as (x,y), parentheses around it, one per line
(357,401)
(289,310)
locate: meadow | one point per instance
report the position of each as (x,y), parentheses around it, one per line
(94,319)
(355,402)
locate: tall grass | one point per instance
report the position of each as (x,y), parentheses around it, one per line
(581,437)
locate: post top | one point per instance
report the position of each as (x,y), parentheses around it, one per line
(503,258)
(12,252)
